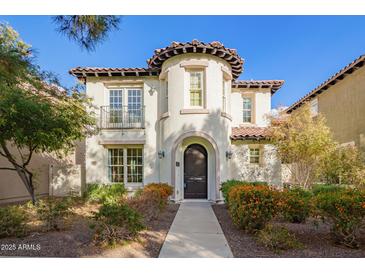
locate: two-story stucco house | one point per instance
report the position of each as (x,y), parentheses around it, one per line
(185,120)
(341,100)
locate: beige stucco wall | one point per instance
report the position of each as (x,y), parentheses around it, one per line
(12,188)
(168,121)
(343,106)
(269,169)
(261,100)
(96,146)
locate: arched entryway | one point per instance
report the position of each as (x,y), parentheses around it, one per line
(195,172)
(210,148)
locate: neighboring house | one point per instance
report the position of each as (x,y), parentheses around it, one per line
(185,120)
(341,100)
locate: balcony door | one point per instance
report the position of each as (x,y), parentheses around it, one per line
(125,108)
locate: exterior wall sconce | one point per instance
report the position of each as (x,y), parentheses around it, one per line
(161,154)
(229,154)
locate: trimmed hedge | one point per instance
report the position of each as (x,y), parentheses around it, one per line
(295,204)
(226,186)
(252,207)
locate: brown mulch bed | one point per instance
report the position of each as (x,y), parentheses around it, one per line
(76,240)
(316,240)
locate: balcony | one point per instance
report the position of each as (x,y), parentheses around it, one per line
(122,117)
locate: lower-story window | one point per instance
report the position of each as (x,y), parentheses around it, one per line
(125,165)
(134,165)
(254,156)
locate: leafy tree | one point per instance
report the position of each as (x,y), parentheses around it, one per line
(345,165)
(36,114)
(303,142)
(86,30)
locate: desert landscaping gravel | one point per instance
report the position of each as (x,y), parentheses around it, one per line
(316,240)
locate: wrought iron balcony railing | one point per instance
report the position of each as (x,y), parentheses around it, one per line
(122,117)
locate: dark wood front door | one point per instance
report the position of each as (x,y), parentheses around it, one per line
(195,172)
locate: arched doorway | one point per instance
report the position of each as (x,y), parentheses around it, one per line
(195,172)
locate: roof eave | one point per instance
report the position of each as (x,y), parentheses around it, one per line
(339,76)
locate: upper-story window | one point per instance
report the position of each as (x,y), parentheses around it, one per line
(115,98)
(196,88)
(224,94)
(167,95)
(125,108)
(247,109)
(128,97)
(314,107)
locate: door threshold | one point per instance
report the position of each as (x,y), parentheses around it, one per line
(195,200)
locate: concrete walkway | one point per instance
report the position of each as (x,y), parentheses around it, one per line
(195,233)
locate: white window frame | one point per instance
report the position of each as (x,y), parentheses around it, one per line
(260,150)
(167,94)
(202,73)
(125,164)
(125,94)
(246,110)
(314,107)
(224,95)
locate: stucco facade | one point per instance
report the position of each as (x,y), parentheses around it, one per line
(341,100)
(171,124)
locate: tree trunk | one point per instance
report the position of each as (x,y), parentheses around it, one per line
(25,175)
(27,178)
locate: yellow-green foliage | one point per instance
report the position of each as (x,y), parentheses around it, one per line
(345,165)
(304,142)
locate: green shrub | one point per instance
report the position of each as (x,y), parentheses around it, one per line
(277,238)
(13,221)
(346,211)
(326,188)
(52,211)
(295,204)
(226,186)
(117,222)
(103,193)
(252,207)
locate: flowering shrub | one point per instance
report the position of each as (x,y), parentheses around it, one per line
(252,207)
(346,210)
(295,204)
(226,186)
(12,221)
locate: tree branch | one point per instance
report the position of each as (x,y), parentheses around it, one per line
(31,150)
(7,168)
(9,156)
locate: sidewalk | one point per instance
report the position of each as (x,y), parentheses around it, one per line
(195,233)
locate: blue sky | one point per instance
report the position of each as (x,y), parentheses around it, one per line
(302,50)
